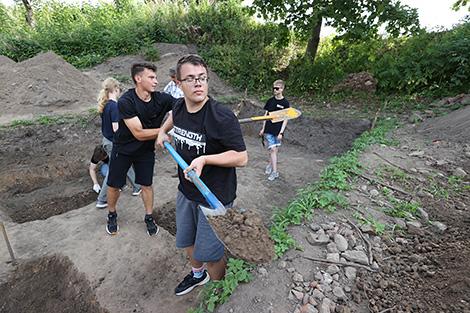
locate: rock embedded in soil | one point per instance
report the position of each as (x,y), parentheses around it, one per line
(244,235)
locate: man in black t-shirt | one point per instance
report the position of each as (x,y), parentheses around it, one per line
(274,131)
(141,112)
(208,137)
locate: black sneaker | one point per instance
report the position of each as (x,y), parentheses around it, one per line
(112,227)
(152,228)
(189,282)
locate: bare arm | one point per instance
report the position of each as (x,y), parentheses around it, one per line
(163,134)
(283,127)
(229,158)
(141,134)
(92,171)
(261,133)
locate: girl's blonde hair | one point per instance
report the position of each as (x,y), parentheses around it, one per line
(108,86)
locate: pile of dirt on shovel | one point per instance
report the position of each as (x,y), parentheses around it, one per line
(244,235)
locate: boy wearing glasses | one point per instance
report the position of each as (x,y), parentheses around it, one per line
(274,131)
(208,137)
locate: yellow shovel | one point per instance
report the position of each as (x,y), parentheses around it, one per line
(275,116)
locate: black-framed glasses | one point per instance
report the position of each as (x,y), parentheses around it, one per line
(276,88)
(192,81)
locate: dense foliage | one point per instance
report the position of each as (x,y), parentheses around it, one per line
(248,54)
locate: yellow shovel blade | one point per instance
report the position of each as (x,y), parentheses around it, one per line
(275,116)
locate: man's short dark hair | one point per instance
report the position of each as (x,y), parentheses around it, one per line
(99,154)
(138,68)
(193,59)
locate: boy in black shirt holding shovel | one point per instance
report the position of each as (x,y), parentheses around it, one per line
(208,137)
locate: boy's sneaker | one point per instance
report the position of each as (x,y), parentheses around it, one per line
(273,175)
(152,228)
(137,192)
(189,282)
(268,170)
(101,204)
(112,227)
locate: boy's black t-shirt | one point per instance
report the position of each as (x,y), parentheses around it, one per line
(213,129)
(150,114)
(274,105)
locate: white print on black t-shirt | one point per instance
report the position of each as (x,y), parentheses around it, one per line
(191,139)
(280,106)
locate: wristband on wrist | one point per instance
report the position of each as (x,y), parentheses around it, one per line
(282,134)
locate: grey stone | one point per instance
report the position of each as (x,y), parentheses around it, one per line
(341,243)
(423,214)
(282,264)
(416,154)
(332,257)
(318,295)
(297,294)
(332,269)
(327,278)
(339,293)
(438,227)
(413,224)
(311,308)
(297,278)
(350,272)
(317,240)
(332,248)
(356,256)
(325,306)
(315,227)
(459,172)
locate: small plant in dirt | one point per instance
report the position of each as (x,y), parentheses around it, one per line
(21,123)
(93,111)
(458,185)
(218,291)
(402,209)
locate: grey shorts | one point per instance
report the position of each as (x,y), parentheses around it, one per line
(192,228)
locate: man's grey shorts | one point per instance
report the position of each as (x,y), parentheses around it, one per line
(192,227)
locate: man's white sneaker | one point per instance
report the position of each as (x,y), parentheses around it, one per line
(268,170)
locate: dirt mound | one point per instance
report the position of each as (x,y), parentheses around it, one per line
(453,128)
(49,284)
(362,81)
(44,84)
(245,236)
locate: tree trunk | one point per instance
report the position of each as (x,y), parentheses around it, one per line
(314,41)
(29,12)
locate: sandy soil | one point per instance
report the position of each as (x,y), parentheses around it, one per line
(59,240)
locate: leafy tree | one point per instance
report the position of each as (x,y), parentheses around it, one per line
(353,19)
(29,12)
(459,4)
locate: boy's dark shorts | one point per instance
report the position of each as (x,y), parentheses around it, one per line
(119,164)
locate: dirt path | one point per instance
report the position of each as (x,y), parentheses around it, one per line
(49,212)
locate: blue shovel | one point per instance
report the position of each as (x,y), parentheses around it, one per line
(217,208)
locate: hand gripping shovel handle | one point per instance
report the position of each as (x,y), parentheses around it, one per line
(217,207)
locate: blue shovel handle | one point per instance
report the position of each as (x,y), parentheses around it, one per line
(210,197)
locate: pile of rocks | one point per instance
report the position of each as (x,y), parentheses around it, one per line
(349,248)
